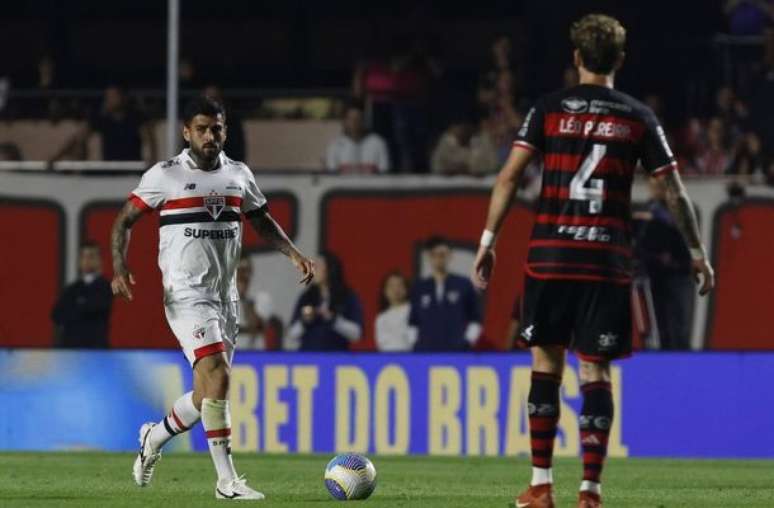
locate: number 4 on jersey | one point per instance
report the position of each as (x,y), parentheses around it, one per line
(585,188)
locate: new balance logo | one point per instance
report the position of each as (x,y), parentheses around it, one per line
(189,186)
(527,333)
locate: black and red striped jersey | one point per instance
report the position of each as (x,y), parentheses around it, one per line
(591,139)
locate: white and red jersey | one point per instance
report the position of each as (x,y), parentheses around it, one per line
(200,228)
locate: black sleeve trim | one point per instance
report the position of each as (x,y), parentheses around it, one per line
(258,212)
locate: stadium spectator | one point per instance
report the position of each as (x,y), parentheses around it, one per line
(748,158)
(257,325)
(123,130)
(453,153)
(485,147)
(445,312)
(502,62)
(355,150)
(396,88)
(392,330)
(236,147)
(328,316)
(664,258)
(733,112)
(81,314)
(713,158)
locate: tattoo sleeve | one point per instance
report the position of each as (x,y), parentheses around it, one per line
(682,209)
(119,238)
(270,231)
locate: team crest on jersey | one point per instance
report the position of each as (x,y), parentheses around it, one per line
(215,204)
(575,105)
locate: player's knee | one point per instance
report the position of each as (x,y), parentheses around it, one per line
(548,359)
(215,376)
(592,372)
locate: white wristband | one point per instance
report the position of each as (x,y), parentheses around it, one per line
(697,254)
(487,239)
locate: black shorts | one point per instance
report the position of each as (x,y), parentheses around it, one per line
(591,318)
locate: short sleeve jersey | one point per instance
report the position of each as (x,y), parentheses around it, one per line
(591,139)
(200,226)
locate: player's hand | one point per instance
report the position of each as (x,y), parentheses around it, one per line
(704,275)
(305,266)
(121,285)
(483,267)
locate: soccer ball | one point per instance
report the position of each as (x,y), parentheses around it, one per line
(350,477)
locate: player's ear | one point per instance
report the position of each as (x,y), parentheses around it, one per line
(576,59)
(186,133)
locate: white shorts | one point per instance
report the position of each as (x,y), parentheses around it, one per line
(204,327)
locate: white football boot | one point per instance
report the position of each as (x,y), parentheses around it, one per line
(146,459)
(236,490)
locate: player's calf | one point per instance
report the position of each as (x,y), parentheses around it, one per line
(595,422)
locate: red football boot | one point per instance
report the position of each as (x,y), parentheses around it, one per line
(588,499)
(537,496)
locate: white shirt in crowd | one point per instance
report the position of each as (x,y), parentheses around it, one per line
(369,155)
(262,305)
(392,329)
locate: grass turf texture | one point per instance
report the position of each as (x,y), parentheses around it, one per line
(100,479)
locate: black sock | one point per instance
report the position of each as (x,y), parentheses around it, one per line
(543,403)
(595,421)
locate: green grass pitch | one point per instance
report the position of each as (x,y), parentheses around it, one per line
(83,479)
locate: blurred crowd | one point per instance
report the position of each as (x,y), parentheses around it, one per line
(401,119)
(439,312)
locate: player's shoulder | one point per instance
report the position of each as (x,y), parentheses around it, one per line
(162,168)
(236,166)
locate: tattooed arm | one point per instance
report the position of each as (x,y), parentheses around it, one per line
(682,210)
(119,244)
(270,231)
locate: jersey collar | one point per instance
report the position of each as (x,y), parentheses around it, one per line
(190,164)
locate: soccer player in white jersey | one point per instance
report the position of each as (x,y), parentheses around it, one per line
(200,195)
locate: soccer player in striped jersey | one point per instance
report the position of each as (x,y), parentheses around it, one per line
(591,138)
(201,196)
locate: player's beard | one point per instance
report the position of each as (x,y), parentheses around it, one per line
(206,158)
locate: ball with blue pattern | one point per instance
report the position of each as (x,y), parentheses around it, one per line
(349,477)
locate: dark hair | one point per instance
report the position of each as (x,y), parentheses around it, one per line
(202,105)
(600,40)
(383,303)
(337,285)
(354,104)
(435,241)
(89,244)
